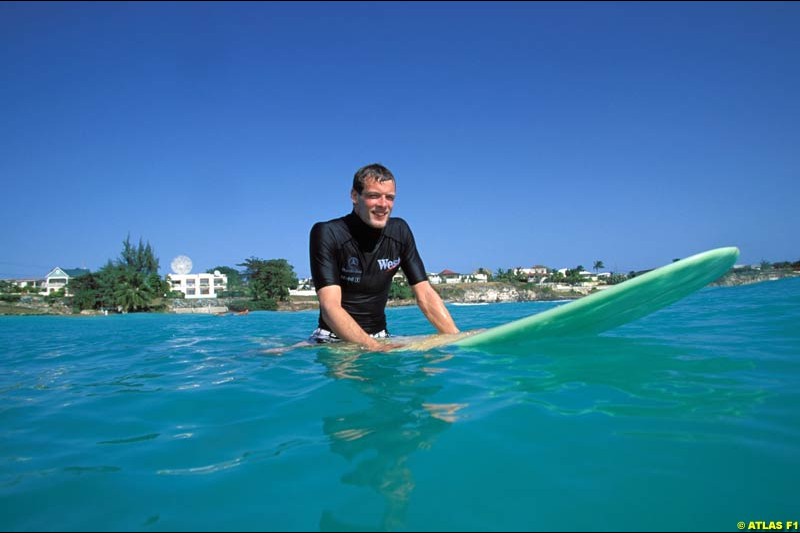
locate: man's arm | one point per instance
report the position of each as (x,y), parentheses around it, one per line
(345,327)
(433,307)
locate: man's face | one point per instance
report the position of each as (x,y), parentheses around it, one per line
(374,204)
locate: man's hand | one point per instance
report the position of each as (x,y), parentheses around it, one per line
(387,347)
(433,307)
(340,321)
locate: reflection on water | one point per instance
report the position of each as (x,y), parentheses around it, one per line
(666,392)
(619,376)
(379,439)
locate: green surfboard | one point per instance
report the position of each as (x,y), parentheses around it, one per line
(601,311)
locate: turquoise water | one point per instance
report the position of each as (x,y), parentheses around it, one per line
(685,420)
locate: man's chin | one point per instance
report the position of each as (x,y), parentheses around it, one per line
(379,223)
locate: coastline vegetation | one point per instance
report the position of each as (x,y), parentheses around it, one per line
(131,283)
(266,282)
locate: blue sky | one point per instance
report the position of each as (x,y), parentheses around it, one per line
(519,133)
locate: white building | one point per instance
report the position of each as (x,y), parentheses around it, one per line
(537,270)
(32,283)
(58,279)
(199,285)
(305,287)
(448,276)
(478,277)
(434,278)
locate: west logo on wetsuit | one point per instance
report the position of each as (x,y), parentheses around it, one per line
(388,264)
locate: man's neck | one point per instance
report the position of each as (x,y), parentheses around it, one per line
(366,236)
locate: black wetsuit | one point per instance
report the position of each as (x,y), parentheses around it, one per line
(362,260)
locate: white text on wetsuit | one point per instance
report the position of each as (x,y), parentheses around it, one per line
(388,264)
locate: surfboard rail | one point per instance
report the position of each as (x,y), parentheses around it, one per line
(616,305)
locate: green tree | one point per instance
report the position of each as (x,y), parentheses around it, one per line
(400,291)
(270,279)
(574,276)
(133,291)
(235,281)
(556,277)
(107,279)
(138,258)
(509,276)
(54,296)
(130,283)
(597,266)
(7,287)
(614,279)
(85,292)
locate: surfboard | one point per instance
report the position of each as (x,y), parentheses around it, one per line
(600,311)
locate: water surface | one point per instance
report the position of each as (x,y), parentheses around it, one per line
(688,419)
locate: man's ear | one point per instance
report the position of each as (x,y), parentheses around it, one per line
(354,196)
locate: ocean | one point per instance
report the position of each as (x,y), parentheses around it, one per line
(688,419)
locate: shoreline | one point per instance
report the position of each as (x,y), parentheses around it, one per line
(462,293)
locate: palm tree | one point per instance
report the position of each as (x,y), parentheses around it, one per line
(597,266)
(133,292)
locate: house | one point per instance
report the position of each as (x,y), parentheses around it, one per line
(448,276)
(479,277)
(29,284)
(58,279)
(305,287)
(203,285)
(534,271)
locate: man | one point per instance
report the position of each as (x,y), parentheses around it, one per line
(353,259)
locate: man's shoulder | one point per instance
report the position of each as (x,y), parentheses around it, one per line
(397,228)
(334,221)
(334,224)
